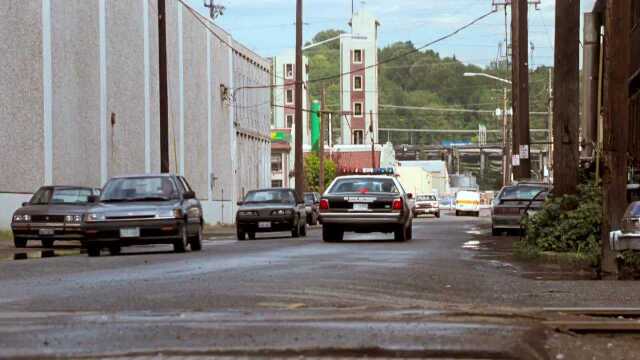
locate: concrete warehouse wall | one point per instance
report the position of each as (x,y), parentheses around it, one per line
(80,99)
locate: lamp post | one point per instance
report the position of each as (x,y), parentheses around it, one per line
(506,148)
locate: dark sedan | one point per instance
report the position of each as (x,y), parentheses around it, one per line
(53,213)
(271,210)
(145,209)
(365,204)
(312,203)
(513,202)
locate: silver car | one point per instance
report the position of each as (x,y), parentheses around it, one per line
(513,202)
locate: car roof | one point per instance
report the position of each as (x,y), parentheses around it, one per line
(366,176)
(143,175)
(271,189)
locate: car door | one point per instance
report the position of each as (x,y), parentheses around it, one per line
(191,207)
(300,207)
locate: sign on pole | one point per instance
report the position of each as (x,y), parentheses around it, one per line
(515,160)
(524,151)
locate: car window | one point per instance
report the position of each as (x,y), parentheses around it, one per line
(41,197)
(364,185)
(185,184)
(426,198)
(140,188)
(70,196)
(309,198)
(270,196)
(522,192)
(633,210)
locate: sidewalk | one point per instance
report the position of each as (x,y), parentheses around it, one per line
(219,230)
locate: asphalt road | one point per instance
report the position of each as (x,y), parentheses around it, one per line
(453,291)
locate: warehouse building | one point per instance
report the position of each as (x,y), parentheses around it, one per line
(79,89)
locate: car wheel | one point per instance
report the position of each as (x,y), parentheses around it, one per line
(46,243)
(196,240)
(180,244)
(327,235)
(93,250)
(19,242)
(303,229)
(252,235)
(457,213)
(115,250)
(400,234)
(438,214)
(241,234)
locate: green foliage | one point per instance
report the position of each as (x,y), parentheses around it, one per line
(568,224)
(5,235)
(312,172)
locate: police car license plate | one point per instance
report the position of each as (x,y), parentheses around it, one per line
(360,206)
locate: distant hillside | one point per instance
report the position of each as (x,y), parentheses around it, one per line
(427,80)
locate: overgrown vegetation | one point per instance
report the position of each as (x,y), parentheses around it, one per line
(570,223)
(5,235)
(312,172)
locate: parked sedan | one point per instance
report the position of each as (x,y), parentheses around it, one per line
(271,210)
(54,213)
(145,209)
(312,202)
(365,204)
(513,201)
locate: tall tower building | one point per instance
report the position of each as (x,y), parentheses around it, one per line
(359,89)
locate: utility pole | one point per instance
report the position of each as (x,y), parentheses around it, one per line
(321,149)
(299,160)
(373,143)
(506,148)
(566,110)
(520,76)
(590,82)
(164,89)
(616,125)
(550,124)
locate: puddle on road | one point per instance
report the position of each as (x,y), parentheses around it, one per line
(43,254)
(498,252)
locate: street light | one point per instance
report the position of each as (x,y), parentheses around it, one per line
(467,74)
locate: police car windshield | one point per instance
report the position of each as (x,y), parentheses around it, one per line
(363,186)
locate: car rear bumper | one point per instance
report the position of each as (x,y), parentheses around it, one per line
(506,221)
(426,210)
(361,218)
(156,231)
(60,231)
(251,224)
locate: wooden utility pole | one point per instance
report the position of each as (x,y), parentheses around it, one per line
(520,76)
(164,89)
(506,147)
(373,142)
(590,76)
(321,149)
(299,160)
(616,124)
(566,108)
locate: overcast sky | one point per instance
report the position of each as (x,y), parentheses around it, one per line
(267,26)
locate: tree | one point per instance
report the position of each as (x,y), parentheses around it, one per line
(312,172)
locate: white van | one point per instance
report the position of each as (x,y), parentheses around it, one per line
(467,202)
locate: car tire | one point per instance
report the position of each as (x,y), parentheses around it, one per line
(93,250)
(241,235)
(332,234)
(196,241)
(180,244)
(115,250)
(46,243)
(477,214)
(438,215)
(314,220)
(495,232)
(457,213)
(19,242)
(400,235)
(252,235)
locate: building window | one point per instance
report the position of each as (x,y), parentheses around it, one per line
(357,109)
(276,163)
(357,56)
(358,137)
(289,121)
(276,183)
(289,96)
(288,71)
(357,83)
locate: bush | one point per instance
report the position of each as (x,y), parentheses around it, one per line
(568,224)
(312,172)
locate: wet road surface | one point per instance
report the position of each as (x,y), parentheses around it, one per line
(450,292)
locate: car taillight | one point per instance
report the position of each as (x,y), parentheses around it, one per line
(324,204)
(397,204)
